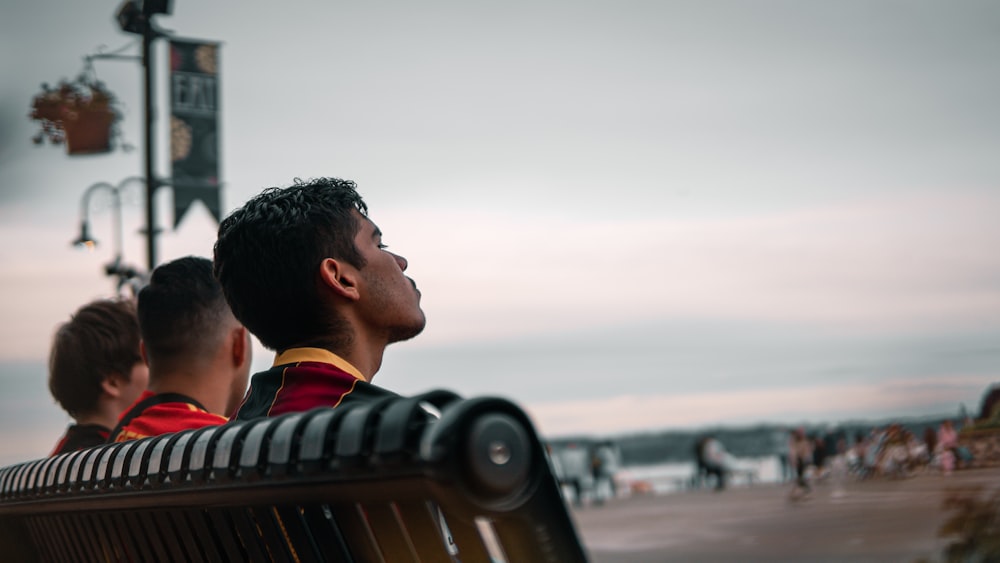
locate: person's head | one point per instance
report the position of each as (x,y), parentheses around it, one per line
(304,266)
(187,327)
(95,365)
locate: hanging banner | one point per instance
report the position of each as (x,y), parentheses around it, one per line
(194,125)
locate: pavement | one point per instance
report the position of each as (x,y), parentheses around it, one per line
(883,520)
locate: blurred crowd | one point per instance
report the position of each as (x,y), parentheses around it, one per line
(890,451)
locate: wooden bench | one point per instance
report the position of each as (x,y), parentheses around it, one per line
(383,481)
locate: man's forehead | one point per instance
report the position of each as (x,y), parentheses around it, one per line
(367,227)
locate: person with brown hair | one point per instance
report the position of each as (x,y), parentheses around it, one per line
(96,370)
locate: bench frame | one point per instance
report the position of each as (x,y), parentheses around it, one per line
(382,481)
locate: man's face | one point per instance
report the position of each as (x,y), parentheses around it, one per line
(390,300)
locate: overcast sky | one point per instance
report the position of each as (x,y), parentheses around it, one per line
(623,215)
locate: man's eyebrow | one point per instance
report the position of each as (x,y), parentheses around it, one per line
(377,233)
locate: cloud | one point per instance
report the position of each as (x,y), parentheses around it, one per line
(869,263)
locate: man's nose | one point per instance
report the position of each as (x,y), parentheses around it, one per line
(401,261)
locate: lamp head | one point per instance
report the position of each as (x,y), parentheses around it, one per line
(85,240)
(134,15)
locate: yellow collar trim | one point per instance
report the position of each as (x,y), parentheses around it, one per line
(296,355)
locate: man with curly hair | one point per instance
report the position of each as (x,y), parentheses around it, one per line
(307,272)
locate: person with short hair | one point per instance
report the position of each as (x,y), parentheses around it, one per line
(96,370)
(307,272)
(716,462)
(198,353)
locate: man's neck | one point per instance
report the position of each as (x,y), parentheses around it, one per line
(101,417)
(205,389)
(365,363)
(364,359)
(365,354)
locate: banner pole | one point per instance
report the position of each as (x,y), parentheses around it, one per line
(151,183)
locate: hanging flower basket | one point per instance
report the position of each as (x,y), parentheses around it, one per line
(82,114)
(89,131)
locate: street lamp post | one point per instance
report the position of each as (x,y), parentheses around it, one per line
(136,16)
(125,274)
(151,182)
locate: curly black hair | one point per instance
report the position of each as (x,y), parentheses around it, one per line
(268,254)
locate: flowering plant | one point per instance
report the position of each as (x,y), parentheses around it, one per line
(82,113)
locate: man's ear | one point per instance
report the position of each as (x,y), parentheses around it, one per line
(241,346)
(113,383)
(142,352)
(340,277)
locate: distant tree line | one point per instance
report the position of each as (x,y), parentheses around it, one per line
(666,446)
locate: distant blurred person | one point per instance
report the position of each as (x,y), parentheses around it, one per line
(198,353)
(819,455)
(574,470)
(610,465)
(715,459)
(801,456)
(947,443)
(930,444)
(700,469)
(893,461)
(873,450)
(308,273)
(916,451)
(839,469)
(96,370)
(856,455)
(602,467)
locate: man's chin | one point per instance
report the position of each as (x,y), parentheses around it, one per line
(403,333)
